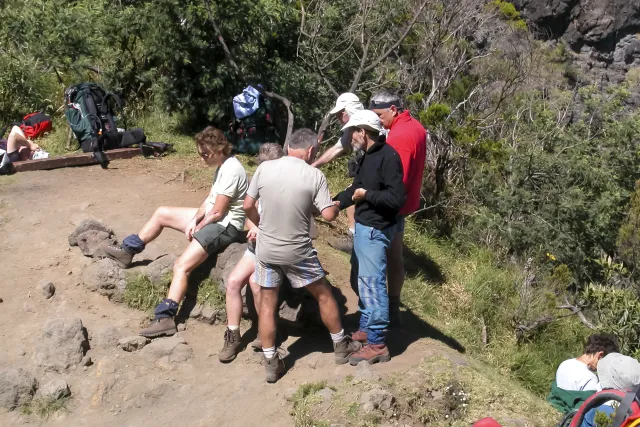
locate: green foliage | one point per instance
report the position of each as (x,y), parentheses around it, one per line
(303,399)
(142,294)
(45,407)
(509,12)
(617,311)
(628,243)
(435,115)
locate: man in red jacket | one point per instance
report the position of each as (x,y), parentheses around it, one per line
(409,138)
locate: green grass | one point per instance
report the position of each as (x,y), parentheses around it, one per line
(303,401)
(44,408)
(478,291)
(209,293)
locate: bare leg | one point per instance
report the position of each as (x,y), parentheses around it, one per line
(327,304)
(257,295)
(17,141)
(395,268)
(192,257)
(351,217)
(267,319)
(166,216)
(237,279)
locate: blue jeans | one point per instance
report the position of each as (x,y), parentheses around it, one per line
(369,277)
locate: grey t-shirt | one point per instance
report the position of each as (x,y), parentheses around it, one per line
(289,190)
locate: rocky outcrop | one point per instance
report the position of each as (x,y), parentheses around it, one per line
(604,30)
(63,344)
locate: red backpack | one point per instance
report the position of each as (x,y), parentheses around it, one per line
(627,412)
(36,124)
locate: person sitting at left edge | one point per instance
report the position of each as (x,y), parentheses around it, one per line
(209,229)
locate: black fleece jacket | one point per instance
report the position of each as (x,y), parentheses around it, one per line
(380,173)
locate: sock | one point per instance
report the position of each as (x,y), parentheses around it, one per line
(233,327)
(337,337)
(352,231)
(269,352)
(133,244)
(167,308)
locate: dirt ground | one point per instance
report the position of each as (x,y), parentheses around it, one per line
(38,210)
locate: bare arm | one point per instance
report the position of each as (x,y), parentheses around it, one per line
(330,213)
(328,156)
(218,212)
(251,210)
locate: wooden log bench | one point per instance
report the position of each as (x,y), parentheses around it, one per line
(80,159)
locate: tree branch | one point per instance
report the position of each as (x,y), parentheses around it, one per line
(227,52)
(393,47)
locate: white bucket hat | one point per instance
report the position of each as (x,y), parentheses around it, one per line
(618,371)
(365,119)
(348,102)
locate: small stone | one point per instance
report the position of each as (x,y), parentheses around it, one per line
(86,361)
(133,343)
(364,372)
(105,366)
(54,390)
(168,351)
(326,394)
(182,327)
(377,399)
(47,288)
(69,273)
(107,338)
(196,312)
(208,314)
(1,300)
(289,394)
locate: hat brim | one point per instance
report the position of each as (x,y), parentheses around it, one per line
(362,126)
(337,109)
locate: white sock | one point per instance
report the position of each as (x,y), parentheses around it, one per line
(269,352)
(233,327)
(337,337)
(352,231)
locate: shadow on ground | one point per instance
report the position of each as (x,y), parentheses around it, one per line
(418,264)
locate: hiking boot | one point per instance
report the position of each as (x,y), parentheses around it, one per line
(372,353)
(359,336)
(345,348)
(160,328)
(274,367)
(344,244)
(118,254)
(231,346)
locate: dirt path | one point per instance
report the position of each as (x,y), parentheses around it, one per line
(38,210)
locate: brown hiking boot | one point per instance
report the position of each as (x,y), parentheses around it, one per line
(372,353)
(344,244)
(345,348)
(160,328)
(118,254)
(359,336)
(274,368)
(231,346)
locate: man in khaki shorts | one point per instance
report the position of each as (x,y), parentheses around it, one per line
(290,190)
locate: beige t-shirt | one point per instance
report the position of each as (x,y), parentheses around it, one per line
(289,190)
(231,181)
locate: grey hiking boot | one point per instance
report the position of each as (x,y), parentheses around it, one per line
(344,348)
(274,368)
(118,254)
(344,244)
(160,328)
(231,346)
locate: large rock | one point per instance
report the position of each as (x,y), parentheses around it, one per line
(159,269)
(63,344)
(106,338)
(47,288)
(54,390)
(90,242)
(133,343)
(17,387)
(167,351)
(106,278)
(87,224)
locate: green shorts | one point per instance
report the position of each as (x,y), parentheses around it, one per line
(215,237)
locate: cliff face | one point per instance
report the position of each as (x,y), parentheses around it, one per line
(604,32)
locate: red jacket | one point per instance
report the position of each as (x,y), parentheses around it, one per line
(409,139)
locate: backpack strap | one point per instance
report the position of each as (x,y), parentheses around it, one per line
(623,410)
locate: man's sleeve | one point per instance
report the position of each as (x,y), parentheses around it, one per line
(253,191)
(322,199)
(393,195)
(346,197)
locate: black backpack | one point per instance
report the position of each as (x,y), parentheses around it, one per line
(90,112)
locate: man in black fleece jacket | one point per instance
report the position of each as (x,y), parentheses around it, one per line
(378,193)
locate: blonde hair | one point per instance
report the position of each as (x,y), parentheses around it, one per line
(270,151)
